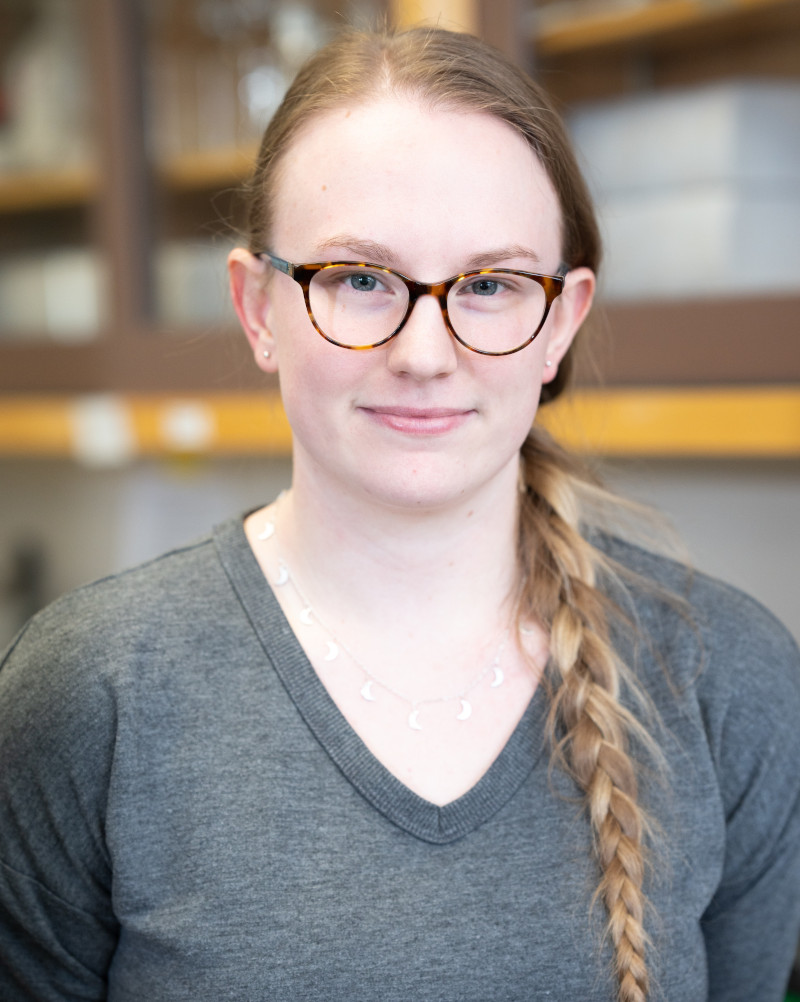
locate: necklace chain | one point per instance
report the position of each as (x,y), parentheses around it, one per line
(309,617)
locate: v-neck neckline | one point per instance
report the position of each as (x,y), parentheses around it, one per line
(387,794)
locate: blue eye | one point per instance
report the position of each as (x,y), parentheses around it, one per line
(484,287)
(363,283)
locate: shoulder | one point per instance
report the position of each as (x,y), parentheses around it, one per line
(719,654)
(157,587)
(87,648)
(672,599)
(100,669)
(179,582)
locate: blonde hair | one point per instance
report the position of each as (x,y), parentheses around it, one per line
(559,568)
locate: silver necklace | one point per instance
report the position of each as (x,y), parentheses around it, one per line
(334,647)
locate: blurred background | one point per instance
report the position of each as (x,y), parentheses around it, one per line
(130,416)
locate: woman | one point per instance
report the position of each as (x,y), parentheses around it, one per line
(417,729)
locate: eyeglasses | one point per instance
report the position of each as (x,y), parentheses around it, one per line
(493,311)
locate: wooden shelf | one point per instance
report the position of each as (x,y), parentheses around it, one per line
(61,188)
(108,429)
(31,190)
(566,30)
(741,341)
(207,169)
(734,341)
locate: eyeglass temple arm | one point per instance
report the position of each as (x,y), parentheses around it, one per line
(278,262)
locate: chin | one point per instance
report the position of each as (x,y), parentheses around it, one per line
(427,490)
(415,502)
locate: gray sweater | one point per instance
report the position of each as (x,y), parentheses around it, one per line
(185,815)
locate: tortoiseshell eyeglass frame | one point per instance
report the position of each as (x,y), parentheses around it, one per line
(553,285)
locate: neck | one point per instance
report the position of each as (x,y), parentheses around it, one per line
(399,565)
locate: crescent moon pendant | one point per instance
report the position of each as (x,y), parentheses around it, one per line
(413,722)
(305,616)
(333,652)
(498,678)
(466,710)
(283,576)
(267,531)
(366,691)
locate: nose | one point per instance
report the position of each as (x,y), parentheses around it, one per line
(424,348)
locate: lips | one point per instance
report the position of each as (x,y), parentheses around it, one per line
(419,420)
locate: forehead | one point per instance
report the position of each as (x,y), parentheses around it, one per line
(398,173)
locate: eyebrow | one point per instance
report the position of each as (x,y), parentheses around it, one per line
(487,258)
(365,250)
(371,250)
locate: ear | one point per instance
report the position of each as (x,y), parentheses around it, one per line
(248,284)
(569,312)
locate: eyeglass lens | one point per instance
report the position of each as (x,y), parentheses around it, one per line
(359,306)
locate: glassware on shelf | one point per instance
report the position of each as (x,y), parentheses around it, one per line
(52,284)
(216,71)
(45,88)
(219,68)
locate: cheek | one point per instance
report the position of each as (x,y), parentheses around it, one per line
(286,316)
(516,391)
(524,382)
(307,395)
(308,378)
(318,382)
(526,408)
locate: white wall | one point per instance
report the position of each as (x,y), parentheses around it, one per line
(92,522)
(738,519)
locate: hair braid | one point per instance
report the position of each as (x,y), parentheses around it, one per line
(589,727)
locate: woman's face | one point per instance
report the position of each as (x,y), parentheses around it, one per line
(420,422)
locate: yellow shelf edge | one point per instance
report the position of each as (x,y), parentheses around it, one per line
(757,421)
(26,190)
(713,422)
(562,34)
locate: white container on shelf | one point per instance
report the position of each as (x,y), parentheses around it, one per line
(746,131)
(73,294)
(22,310)
(58,294)
(698,190)
(700,240)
